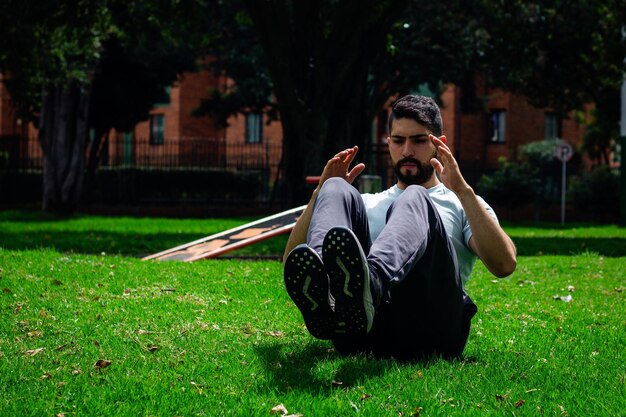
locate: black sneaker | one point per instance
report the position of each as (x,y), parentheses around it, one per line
(307,285)
(347,268)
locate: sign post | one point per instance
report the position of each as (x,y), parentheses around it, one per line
(564,153)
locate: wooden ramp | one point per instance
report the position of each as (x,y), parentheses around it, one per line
(229,240)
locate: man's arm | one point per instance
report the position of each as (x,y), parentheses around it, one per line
(337,166)
(492,245)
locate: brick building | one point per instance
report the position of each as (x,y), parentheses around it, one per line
(508,123)
(173,128)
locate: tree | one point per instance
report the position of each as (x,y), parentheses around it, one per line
(562,54)
(59,59)
(332,65)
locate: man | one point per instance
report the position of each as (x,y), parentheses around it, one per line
(385,273)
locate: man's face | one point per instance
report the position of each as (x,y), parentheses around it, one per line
(411,151)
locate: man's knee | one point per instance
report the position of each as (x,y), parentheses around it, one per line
(336,186)
(415,191)
(413,196)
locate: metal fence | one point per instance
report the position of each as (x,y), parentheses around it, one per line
(24,154)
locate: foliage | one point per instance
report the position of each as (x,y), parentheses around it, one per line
(602,133)
(540,155)
(544,53)
(49,43)
(235,51)
(514,184)
(538,48)
(597,192)
(330,78)
(101,63)
(111,335)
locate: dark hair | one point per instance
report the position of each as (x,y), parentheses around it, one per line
(422,109)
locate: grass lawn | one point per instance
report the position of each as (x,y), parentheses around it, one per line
(89,329)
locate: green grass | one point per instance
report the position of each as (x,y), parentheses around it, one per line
(221,337)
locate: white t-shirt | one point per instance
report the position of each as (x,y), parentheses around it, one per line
(451,212)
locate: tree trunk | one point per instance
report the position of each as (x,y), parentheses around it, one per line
(62,134)
(321,76)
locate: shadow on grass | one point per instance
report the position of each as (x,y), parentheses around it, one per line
(301,368)
(536,246)
(96,242)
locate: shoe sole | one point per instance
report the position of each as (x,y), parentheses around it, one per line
(307,285)
(346,265)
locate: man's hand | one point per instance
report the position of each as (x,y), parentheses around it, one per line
(339,166)
(488,241)
(447,167)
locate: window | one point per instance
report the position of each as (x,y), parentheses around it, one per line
(551,126)
(497,126)
(254,127)
(157,129)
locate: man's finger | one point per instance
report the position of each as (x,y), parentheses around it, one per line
(355,172)
(437,165)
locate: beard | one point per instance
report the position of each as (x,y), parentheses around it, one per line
(424,171)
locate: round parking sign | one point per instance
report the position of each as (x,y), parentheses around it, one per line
(564,152)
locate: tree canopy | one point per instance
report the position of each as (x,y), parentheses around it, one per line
(91,64)
(327,66)
(333,64)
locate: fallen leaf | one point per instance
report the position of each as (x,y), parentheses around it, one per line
(500,397)
(102,363)
(571,288)
(76,372)
(17,308)
(34,352)
(416,412)
(47,375)
(336,383)
(567,298)
(365,397)
(278,334)
(140,331)
(197,387)
(153,348)
(519,403)
(34,333)
(279,409)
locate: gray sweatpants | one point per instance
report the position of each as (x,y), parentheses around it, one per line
(424,310)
